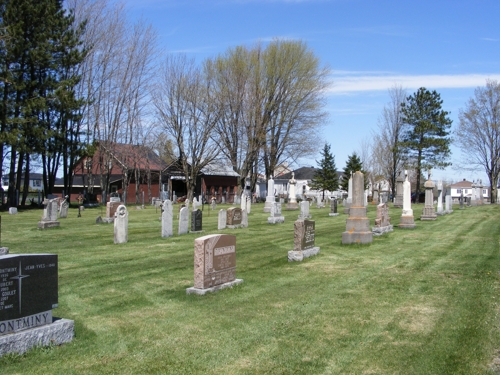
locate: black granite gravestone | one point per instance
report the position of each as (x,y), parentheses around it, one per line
(28,290)
(196,221)
(308,239)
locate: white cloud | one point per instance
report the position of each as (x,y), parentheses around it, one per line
(348,82)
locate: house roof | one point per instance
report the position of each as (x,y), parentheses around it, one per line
(219,169)
(136,156)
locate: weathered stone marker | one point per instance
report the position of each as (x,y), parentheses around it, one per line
(29,286)
(183,220)
(234,217)
(167,219)
(276,216)
(303,241)
(383,221)
(214,263)
(121,225)
(49,219)
(196,221)
(429,213)
(222,219)
(358,224)
(407,221)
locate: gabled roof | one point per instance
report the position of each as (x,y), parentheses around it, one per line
(136,156)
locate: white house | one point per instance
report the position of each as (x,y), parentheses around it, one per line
(465,187)
(35,182)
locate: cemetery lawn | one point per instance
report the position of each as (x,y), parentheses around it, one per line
(422,301)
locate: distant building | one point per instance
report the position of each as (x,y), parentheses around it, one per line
(465,187)
(35,182)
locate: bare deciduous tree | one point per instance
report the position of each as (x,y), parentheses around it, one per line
(478,133)
(386,153)
(188,114)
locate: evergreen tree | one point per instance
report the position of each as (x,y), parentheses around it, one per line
(353,165)
(426,136)
(39,51)
(326,177)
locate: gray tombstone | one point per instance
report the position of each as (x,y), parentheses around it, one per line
(304,210)
(49,219)
(121,225)
(13,210)
(383,221)
(244,218)
(222,219)
(333,207)
(196,221)
(429,213)
(183,220)
(63,210)
(448,204)
(167,219)
(440,210)
(303,243)
(29,293)
(276,216)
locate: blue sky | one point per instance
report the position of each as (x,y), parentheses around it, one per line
(448,46)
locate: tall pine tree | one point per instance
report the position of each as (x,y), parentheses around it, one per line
(39,51)
(353,165)
(326,176)
(426,135)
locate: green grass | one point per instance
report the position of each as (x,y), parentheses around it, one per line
(421,301)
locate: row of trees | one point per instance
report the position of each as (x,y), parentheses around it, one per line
(79,76)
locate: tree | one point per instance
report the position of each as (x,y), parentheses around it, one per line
(39,56)
(353,165)
(187,114)
(386,151)
(426,132)
(293,86)
(478,133)
(326,176)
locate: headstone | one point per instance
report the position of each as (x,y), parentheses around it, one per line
(244,219)
(428,212)
(270,195)
(303,242)
(121,225)
(234,217)
(462,200)
(440,210)
(167,219)
(406,221)
(13,210)
(276,216)
(398,200)
(111,208)
(196,221)
(49,219)
(214,264)
(333,207)
(357,225)
(383,221)
(63,210)
(348,202)
(448,204)
(249,205)
(304,210)
(222,220)
(243,202)
(292,202)
(29,290)
(213,204)
(375,194)
(183,220)
(480,192)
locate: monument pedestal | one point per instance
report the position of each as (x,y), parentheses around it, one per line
(407,222)
(202,292)
(298,256)
(357,227)
(276,220)
(60,331)
(292,206)
(378,231)
(428,213)
(333,214)
(48,224)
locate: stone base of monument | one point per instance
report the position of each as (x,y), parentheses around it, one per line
(428,217)
(48,224)
(407,222)
(346,209)
(448,212)
(4,250)
(378,231)
(195,231)
(441,213)
(276,220)
(332,214)
(202,292)
(357,237)
(298,256)
(59,332)
(105,220)
(268,205)
(292,206)
(234,226)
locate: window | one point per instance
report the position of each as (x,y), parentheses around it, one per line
(36,183)
(485,191)
(465,191)
(459,191)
